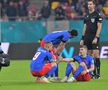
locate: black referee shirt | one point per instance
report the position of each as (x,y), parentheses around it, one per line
(91,20)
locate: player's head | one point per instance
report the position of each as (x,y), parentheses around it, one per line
(91,5)
(48,46)
(73,33)
(83,50)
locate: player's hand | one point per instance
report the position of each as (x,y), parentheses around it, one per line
(60,58)
(82,42)
(68,59)
(94,41)
(84,72)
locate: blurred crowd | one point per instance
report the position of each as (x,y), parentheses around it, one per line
(24,10)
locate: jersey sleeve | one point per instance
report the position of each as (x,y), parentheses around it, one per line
(99,18)
(49,57)
(65,37)
(76,59)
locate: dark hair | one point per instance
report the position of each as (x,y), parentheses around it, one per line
(92,1)
(73,32)
(83,46)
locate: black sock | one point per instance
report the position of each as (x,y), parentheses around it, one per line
(94,72)
(98,66)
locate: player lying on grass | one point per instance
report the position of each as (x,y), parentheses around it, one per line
(85,67)
(42,63)
(58,38)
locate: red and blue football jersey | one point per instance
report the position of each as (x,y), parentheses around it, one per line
(88,60)
(41,57)
(57,36)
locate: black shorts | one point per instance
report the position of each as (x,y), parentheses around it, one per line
(91,46)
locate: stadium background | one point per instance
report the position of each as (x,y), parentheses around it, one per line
(24,22)
(23,37)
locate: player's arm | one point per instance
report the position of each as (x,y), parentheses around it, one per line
(60,47)
(91,68)
(99,29)
(99,26)
(61,59)
(88,70)
(68,60)
(97,33)
(84,29)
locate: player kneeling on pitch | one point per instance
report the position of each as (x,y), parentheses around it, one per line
(42,63)
(84,70)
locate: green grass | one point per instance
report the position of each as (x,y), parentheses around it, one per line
(18,77)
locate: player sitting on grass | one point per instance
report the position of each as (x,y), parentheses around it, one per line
(83,72)
(42,63)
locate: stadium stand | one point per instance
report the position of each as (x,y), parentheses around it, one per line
(24,10)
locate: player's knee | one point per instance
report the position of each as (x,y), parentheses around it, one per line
(73,66)
(53,64)
(83,65)
(96,53)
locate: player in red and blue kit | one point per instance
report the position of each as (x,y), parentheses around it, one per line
(84,70)
(58,38)
(42,63)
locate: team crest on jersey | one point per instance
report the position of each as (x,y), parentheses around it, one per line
(92,20)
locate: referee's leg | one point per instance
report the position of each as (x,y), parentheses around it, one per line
(93,50)
(97,64)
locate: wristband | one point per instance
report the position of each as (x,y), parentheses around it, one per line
(87,71)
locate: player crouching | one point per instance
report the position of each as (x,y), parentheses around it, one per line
(42,63)
(83,72)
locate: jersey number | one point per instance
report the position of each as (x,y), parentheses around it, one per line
(36,55)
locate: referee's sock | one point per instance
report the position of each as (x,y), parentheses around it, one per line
(94,72)
(98,66)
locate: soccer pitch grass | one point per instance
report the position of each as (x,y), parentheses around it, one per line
(18,77)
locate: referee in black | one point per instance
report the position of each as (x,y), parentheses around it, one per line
(91,34)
